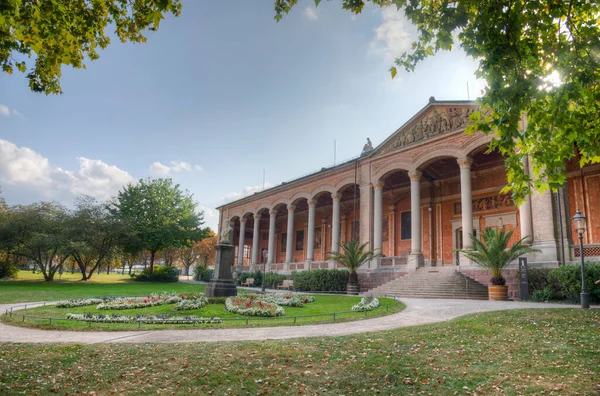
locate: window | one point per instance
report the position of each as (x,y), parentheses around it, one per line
(299,240)
(405,226)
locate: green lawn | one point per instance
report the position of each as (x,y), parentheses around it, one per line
(324,304)
(33,288)
(521,352)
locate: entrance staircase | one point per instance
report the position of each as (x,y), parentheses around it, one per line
(433,282)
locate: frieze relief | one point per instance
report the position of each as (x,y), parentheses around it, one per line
(436,123)
(487,203)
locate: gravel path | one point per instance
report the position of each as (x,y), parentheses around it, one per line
(417,312)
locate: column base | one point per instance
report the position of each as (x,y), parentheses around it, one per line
(415,260)
(220,288)
(465,262)
(548,252)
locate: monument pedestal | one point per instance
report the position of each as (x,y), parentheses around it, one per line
(222,284)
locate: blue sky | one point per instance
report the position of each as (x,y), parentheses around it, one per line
(216,96)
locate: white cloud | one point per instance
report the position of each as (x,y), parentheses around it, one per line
(248,190)
(4,111)
(311,13)
(394,35)
(179,166)
(158,169)
(23,168)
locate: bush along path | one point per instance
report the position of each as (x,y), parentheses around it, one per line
(417,312)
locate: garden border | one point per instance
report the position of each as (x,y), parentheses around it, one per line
(193,323)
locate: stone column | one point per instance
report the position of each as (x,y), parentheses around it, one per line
(310,250)
(415,258)
(240,262)
(544,235)
(289,253)
(335,223)
(271,248)
(466,200)
(344,226)
(525,212)
(392,231)
(255,239)
(377,215)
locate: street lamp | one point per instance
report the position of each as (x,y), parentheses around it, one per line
(579,222)
(265,254)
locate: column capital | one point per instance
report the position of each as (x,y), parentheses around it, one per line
(273,212)
(291,208)
(324,221)
(415,175)
(312,203)
(257,216)
(465,162)
(243,220)
(378,185)
(336,196)
(344,217)
(392,208)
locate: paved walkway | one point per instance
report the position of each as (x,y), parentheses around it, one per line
(417,312)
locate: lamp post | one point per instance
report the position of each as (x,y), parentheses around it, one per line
(265,254)
(579,222)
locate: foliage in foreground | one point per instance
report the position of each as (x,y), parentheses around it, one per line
(527,352)
(8,270)
(321,280)
(64,33)
(563,283)
(353,255)
(538,57)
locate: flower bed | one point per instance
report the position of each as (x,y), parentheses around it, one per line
(79,302)
(250,305)
(284,299)
(140,302)
(187,304)
(366,304)
(151,319)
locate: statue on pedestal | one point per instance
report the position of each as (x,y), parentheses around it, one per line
(222,284)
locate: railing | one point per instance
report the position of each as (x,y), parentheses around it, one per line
(589,250)
(247,320)
(457,257)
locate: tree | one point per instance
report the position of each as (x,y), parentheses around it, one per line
(169,256)
(207,249)
(352,256)
(189,255)
(540,59)
(38,233)
(161,215)
(93,233)
(58,33)
(494,254)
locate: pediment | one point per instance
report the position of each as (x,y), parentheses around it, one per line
(432,121)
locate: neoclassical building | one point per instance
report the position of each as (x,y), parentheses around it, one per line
(416,196)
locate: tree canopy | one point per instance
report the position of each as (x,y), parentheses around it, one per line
(60,33)
(161,215)
(539,58)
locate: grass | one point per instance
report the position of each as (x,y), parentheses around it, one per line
(521,352)
(323,305)
(31,287)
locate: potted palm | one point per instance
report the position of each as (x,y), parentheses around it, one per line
(494,255)
(352,255)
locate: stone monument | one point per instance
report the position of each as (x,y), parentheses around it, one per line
(222,285)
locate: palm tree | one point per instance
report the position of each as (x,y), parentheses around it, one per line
(493,253)
(352,256)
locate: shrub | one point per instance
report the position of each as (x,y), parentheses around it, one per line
(366,304)
(546,294)
(273,279)
(202,273)
(187,304)
(160,274)
(8,270)
(257,275)
(321,280)
(567,281)
(216,300)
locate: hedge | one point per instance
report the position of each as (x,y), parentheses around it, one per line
(202,273)
(160,274)
(563,283)
(320,280)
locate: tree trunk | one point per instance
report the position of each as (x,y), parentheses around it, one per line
(123,267)
(107,269)
(130,267)
(72,268)
(187,270)
(152,254)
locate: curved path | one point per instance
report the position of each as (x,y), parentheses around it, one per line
(417,312)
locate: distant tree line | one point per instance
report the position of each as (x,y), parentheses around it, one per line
(149,220)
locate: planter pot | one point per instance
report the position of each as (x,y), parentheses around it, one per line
(498,293)
(352,289)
